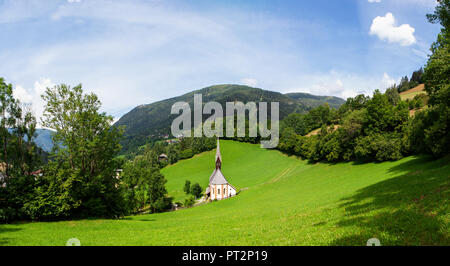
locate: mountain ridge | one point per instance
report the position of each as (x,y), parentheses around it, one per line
(152,121)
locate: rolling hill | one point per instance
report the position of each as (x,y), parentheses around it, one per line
(153,120)
(286,201)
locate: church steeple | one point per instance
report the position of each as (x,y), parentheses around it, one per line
(219,188)
(218,156)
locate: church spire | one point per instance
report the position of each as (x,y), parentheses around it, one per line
(218,156)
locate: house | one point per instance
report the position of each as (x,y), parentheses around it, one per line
(219,188)
(163,157)
(172,141)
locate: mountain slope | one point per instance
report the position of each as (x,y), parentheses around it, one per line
(44,139)
(312,101)
(154,120)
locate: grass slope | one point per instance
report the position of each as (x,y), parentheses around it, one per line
(410,94)
(288,202)
(235,156)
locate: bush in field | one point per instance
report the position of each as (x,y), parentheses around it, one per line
(187,187)
(196,190)
(189,202)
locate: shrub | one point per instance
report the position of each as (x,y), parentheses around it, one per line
(187,187)
(196,190)
(162,204)
(189,202)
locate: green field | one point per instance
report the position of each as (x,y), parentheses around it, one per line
(286,201)
(411,95)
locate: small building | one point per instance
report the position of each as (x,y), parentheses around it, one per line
(219,188)
(163,157)
(172,141)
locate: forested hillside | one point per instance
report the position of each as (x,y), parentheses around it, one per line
(149,122)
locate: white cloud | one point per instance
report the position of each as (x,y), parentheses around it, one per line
(387,81)
(249,82)
(374,1)
(33,96)
(343,85)
(74,1)
(385,28)
(150,50)
(22,94)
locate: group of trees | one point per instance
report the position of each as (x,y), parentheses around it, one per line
(81,178)
(363,129)
(431,128)
(19,155)
(195,190)
(144,185)
(407,84)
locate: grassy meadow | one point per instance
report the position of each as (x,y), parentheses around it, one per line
(410,94)
(284,201)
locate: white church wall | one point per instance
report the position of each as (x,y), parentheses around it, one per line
(229,190)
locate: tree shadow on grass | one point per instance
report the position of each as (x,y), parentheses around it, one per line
(136,218)
(5,240)
(144,220)
(409,209)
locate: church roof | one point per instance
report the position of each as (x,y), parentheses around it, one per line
(217,178)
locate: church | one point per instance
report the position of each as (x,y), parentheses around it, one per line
(219,188)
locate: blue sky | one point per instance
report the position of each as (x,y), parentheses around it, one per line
(136,52)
